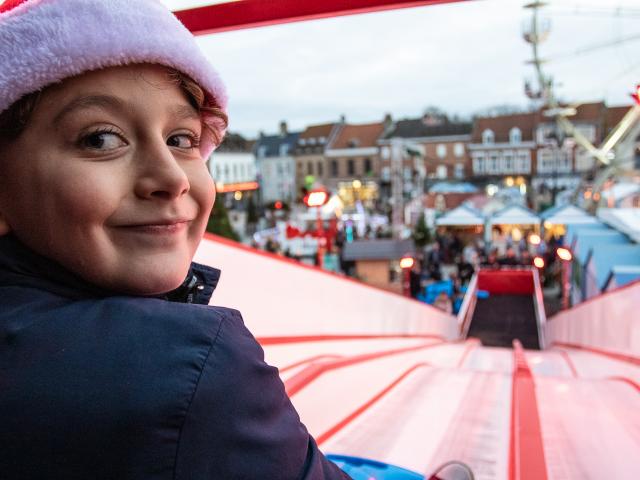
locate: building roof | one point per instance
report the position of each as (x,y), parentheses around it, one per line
(417,128)
(317,131)
(614,115)
(501,125)
(378,249)
(272,144)
(358,136)
(589,112)
(235,143)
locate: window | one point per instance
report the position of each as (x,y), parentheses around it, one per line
(284,150)
(262,151)
(353,143)
(488,137)
(441,171)
(367,166)
(386,174)
(515,135)
(226,173)
(509,164)
(309,168)
(524,161)
(493,162)
(351,167)
(334,168)
(312,141)
(320,169)
(458,150)
(479,163)
(279,168)
(302,141)
(235,171)
(459,170)
(441,150)
(322,140)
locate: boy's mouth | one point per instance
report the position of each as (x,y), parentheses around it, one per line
(161,227)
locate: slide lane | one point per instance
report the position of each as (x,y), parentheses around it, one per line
(593,365)
(590,428)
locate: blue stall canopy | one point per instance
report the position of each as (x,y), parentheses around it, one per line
(596,240)
(621,275)
(568,215)
(602,259)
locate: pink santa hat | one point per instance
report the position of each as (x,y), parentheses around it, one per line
(45,41)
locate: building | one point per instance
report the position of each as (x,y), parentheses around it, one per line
(353,162)
(309,154)
(503,146)
(233,167)
(276,165)
(444,146)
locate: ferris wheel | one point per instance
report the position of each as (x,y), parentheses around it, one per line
(614,156)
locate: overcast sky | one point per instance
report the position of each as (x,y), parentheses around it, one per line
(463,57)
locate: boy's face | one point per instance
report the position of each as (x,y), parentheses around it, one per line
(107,179)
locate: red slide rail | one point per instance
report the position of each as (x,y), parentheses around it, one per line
(302,379)
(323,437)
(598,351)
(526,452)
(259,13)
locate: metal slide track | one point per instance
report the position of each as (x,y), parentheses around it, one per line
(417,402)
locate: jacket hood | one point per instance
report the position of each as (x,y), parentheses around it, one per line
(20,265)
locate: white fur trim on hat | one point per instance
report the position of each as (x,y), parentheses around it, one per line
(45,41)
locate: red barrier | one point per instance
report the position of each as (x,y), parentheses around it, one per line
(260,13)
(526,452)
(506,282)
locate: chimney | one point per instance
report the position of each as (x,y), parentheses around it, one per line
(387,122)
(283,129)
(343,119)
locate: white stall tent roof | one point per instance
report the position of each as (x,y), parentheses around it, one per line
(462,215)
(568,215)
(514,215)
(625,220)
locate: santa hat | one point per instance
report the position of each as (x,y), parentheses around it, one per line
(45,41)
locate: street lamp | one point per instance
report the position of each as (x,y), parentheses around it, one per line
(318,198)
(406,264)
(565,256)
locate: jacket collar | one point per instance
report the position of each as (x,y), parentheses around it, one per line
(21,266)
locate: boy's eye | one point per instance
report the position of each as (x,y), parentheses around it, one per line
(182,140)
(102,141)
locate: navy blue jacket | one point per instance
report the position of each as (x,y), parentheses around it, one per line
(99,386)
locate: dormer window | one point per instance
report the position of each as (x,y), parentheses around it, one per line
(515,135)
(262,151)
(488,136)
(323,140)
(353,143)
(312,141)
(302,141)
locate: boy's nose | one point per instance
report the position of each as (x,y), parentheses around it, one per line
(161,175)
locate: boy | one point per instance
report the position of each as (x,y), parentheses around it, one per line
(112,365)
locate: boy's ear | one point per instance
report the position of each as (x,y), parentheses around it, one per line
(4,225)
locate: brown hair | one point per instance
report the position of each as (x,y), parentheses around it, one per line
(14,120)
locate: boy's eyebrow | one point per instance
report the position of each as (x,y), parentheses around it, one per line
(184,112)
(106,102)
